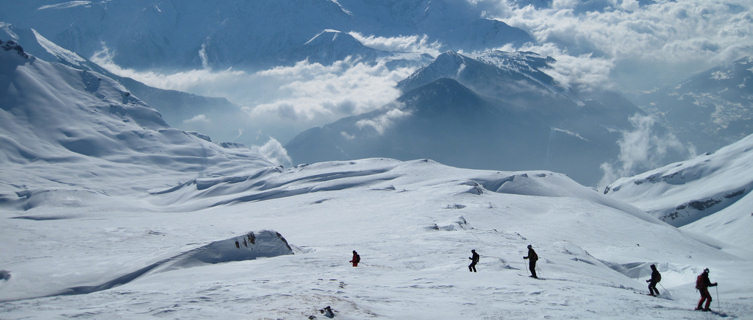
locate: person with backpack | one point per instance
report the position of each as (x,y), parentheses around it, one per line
(356,259)
(474,260)
(655,278)
(702,283)
(532,258)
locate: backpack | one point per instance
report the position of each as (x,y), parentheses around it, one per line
(699,282)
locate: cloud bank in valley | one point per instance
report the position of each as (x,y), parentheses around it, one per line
(637,45)
(283,101)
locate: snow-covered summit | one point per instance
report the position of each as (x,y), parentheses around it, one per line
(496,74)
(11,45)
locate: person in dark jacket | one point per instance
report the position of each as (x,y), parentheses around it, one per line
(474,261)
(655,278)
(356,259)
(532,258)
(703,283)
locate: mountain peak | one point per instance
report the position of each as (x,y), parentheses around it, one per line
(11,45)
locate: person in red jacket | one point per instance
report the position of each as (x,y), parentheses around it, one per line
(356,259)
(703,283)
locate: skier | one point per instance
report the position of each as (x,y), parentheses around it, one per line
(356,259)
(655,278)
(532,257)
(703,283)
(474,261)
(327,311)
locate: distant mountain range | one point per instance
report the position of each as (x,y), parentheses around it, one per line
(498,111)
(709,110)
(154,34)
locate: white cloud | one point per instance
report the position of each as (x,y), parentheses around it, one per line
(384,121)
(347,135)
(643,46)
(721,75)
(413,43)
(640,149)
(284,100)
(199,118)
(274,152)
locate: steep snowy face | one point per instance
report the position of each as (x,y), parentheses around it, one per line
(189,34)
(180,110)
(88,125)
(500,111)
(707,187)
(711,109)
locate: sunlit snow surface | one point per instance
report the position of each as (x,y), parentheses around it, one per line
(414,224)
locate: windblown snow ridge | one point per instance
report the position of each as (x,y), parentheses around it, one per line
(250,246)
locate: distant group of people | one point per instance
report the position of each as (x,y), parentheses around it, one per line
(702,281)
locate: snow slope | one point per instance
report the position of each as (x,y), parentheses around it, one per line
(109,213)
(413,223)
(55,117)
(177,108)
(708,194)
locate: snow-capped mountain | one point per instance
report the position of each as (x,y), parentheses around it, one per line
(711,109)
(160,34)
(500,111)
(709,193)
(56,117)
(110,213)
(177,108)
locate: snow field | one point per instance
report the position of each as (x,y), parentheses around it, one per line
(413,231)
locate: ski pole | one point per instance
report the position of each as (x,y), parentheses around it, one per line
(717,299)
